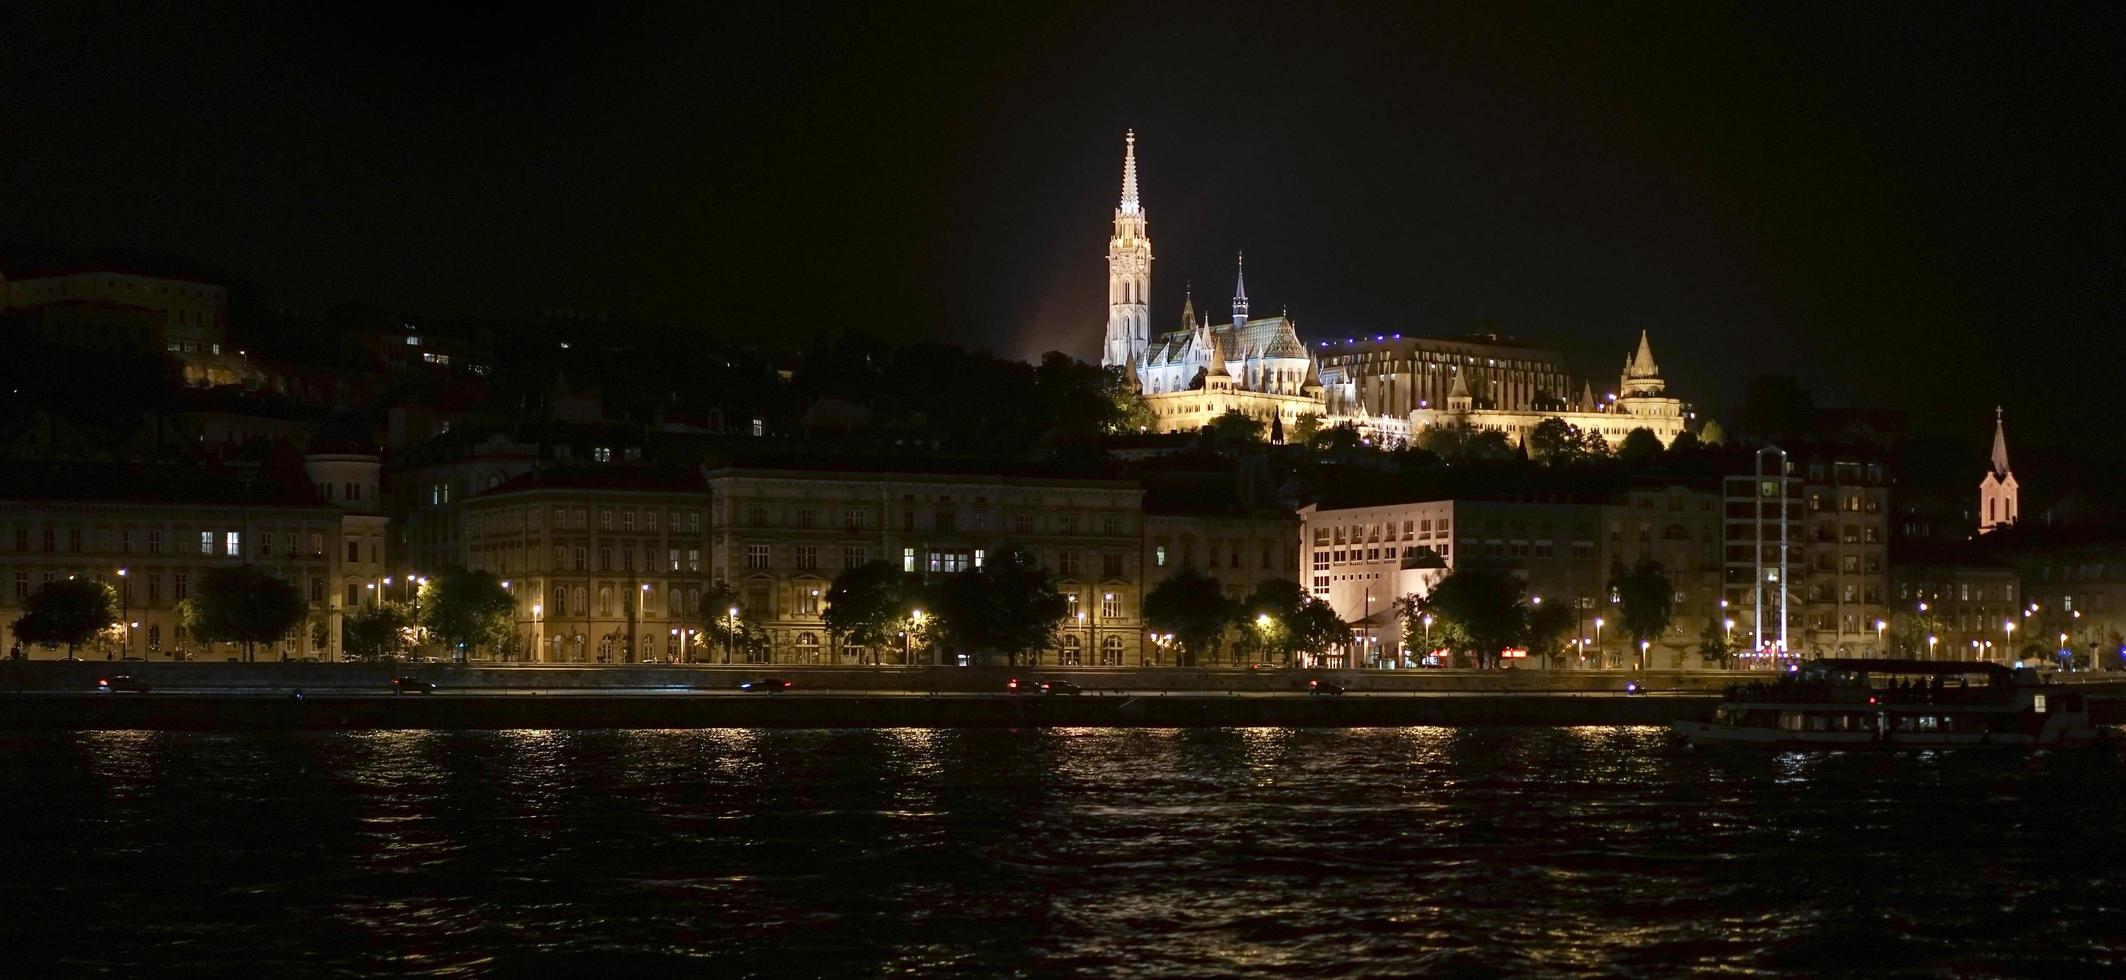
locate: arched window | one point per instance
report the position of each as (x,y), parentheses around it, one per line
(605,601)
(673,606)
(580,600)
(807,648)
(560,608)
(1071,655)
(1111,652)
(694,601)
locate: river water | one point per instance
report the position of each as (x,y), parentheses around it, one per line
(1117,853)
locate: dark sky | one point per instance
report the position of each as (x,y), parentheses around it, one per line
(1911,205)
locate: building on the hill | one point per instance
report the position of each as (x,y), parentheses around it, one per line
(1190,375)
(1393,388)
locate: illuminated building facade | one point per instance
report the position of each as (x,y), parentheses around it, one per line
(1253,365)
(1394,387)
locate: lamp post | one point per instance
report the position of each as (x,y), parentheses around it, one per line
(1930,645)
(1598,637)
(915,618)
(1880,626)
(125,599)
(730,633)
(2007,638)
(538,609)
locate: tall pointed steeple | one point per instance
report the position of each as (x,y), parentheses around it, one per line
(1240,289)
(2000,445)
(1188,307)
(1999,497)
(1129,271)
(1130,204)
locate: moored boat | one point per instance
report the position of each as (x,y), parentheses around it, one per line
(1871,703)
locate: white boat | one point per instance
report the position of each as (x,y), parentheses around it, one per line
(1882,703)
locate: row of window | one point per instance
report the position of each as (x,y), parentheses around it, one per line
(123,541)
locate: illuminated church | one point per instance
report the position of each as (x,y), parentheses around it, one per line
(1193,374)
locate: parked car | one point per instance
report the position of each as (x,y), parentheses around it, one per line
(121,682)
(772,685)
(1061,687)
(1262,667)
(403,685)
(1324,689)
(1017,686)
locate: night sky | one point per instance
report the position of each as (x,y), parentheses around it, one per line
(1913,206)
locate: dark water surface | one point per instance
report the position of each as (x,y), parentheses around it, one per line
(1599,851)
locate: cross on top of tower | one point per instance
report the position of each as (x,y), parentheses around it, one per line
(1240,288)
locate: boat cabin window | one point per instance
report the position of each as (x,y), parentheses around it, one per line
(2037,703)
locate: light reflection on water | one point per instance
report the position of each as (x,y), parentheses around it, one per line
(1099,852)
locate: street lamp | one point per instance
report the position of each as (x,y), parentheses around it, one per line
(1598,636)
(1879,627)
(1930,646)
(2008,634)
(730,633)
(908,654)
(125,599)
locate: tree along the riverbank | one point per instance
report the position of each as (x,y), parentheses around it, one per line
(467,610)
(378,632)
(1475,612)
(1009,606)
(871,606)
(244,605)
(1193,607)
(1646,603)
(67,612)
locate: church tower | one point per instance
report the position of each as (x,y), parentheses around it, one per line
(1997,506)
(1129,271)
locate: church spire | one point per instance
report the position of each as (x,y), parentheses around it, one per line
(1129,271)
(2000,445)
(1999,497)
(1240,289)
(1130,204)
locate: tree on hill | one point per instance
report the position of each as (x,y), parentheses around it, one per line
(1640,447)
(1236,426)
(244,605)
(1193,607)
(870,606)
(1685,443)
(1646,603)
(1476,612)
(1554,440)
(1304,428)
(1711,434)
(467,610)
(67,612)
(1008,606)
